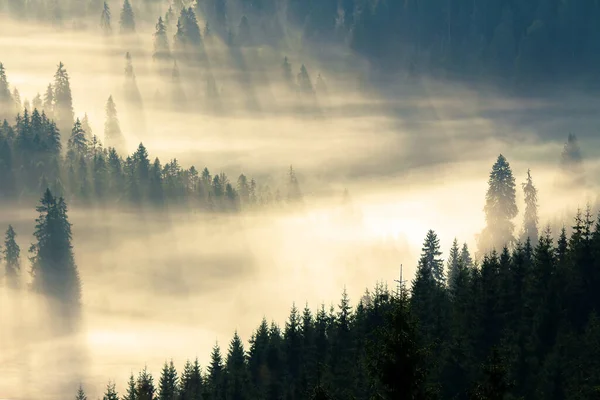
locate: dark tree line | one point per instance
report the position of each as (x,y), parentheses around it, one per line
(519,323)
(35,154)
(524,41)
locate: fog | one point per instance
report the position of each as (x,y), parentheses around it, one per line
(169,286)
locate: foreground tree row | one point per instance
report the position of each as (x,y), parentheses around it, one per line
(520,323)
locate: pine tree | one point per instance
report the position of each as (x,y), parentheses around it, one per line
(6,100)
(500,207)
(161,42)
(131,393)
(80,394)
(216,374)
(144,389)
(168,382)
(236,370)
(112,130)
(49,101)
(127,21)
(111,392)
(192,385)
(63,101)
(430,258)
(454,265)
(105,19)
(53,264)
(77,145)
(12,254)
(85,125)
(530,222)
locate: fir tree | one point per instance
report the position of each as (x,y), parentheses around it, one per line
(111,392)
(37,102)
(500,207)
(77,145)
(53,265)
(6,100)
(161,42)
(80,394)
(216,374)
(454,265)
(168,383)
(49,101)
(286,69)
(131,393)
(144,389)
(105,19)
(192,386)
(63,101)
(430,258)
(127,20)
(236,370)
(112,130)
(530,222)
(12,253)
(85,125)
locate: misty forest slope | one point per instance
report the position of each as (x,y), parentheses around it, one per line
(191,166)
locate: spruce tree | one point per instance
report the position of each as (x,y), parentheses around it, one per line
(111,392)
(85,125)
(161,42)
(127,20)
(37,102)
(454,265)
(168,382)
(286,69)
(216,375)
(500,207)
(236,370)
(63,101)
(105,19)
(192,385)
(131,393)
(53,264)
(80,394)
(144,389)
(430,258)
(77,145)
(12,253)
(112,130)
(17,105)
(530,221)
(49,101)
(6,100)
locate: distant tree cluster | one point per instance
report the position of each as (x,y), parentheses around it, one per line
(34,156)
(528,41)
(53,269)
(519,323)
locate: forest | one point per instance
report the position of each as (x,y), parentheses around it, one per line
(515,320)
(276,106)
(522,43)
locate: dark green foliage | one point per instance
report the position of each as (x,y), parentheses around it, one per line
(110,393)
(144,389)
(53,265)
(167,386)
(500,207)
(80,394)
(192,384)
(12,254)
(530,222)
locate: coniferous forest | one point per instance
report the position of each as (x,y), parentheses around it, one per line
(276,105)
